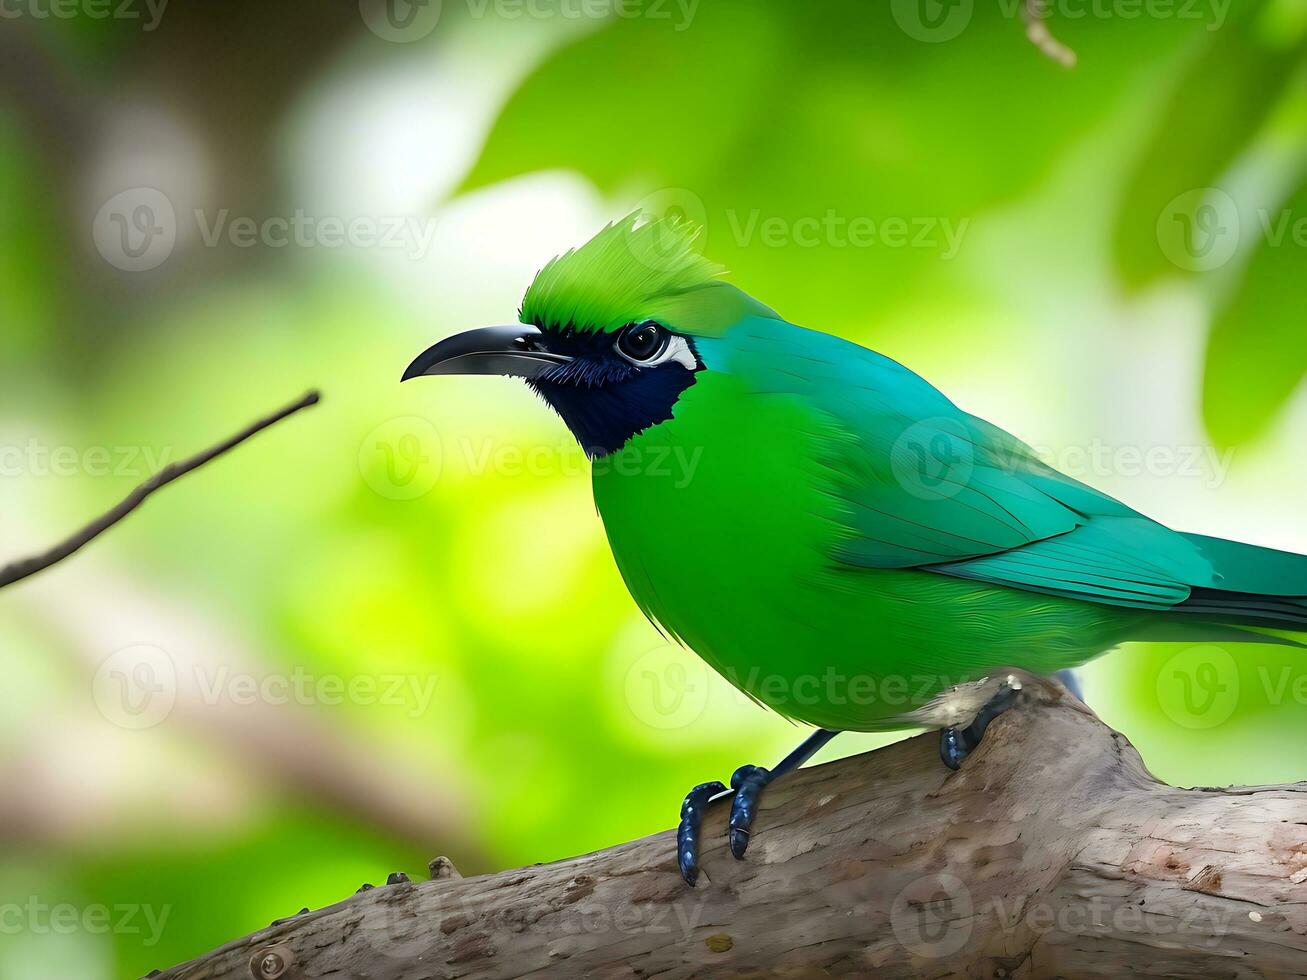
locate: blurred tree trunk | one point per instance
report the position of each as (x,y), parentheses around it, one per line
(194,100)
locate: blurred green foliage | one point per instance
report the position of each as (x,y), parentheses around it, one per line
(1218,103)
(447,533)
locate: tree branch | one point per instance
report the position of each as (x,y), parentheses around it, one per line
(19,570)
(1052,852)
(1035,14)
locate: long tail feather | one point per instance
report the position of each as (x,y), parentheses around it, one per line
(1259,587)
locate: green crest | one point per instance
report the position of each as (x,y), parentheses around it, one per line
(630,271)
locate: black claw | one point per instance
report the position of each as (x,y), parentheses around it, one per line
(955,744)
(951,748)
(687,834)
(748,783)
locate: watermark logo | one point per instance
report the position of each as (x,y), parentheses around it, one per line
(401,458)
(397,932)
(1199,229)
(136,229)
(136,687)
(1199,686)
(401,21)
(933,459)
(668,209)
(667,687)
(932,915)
(932,21)
(1202,229)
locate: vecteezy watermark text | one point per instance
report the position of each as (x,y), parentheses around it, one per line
(937,458)
(680,13)
(1099,459)
(935,21)
(834,230)
(149,12)
(935,916)
(404,458)
(40,918)
(301,230)
(405,21)
(138,687)
(138,229)
(37,458)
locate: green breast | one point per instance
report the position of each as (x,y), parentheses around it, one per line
(722,523)
(716,510)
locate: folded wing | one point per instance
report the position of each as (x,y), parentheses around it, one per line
(921,484)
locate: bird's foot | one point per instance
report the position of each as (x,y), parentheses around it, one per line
(956,743)
(745,791)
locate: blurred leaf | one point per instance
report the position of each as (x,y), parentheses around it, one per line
(1257,352)
(840,148)
(1218,103)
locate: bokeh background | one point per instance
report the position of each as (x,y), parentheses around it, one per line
(391,628)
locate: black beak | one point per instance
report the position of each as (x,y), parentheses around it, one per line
(516,351)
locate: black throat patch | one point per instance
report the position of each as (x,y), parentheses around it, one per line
(605,399)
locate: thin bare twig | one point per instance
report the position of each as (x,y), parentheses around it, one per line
(19,570)
(1035,14)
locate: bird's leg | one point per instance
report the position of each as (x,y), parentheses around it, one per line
(746,787)
(955,743)
(1071,682)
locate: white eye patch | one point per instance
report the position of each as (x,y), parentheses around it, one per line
(677,349)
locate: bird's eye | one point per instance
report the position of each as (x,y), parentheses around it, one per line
(642,341)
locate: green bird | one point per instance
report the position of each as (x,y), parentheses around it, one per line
(826,529)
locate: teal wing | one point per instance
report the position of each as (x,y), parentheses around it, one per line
(922,484)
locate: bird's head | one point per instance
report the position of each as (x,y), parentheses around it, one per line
(609,332)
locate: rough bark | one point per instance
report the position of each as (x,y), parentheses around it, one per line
(1051,853)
